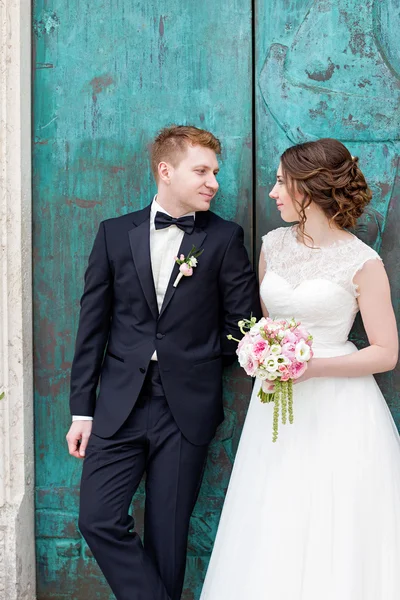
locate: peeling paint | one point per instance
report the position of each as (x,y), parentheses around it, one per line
(322,107)
(344,66)
(82,203)
(48,23)
(99,84)
(322,73)
(161,27)
(354,123)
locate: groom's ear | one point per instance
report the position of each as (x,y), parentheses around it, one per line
(165,171)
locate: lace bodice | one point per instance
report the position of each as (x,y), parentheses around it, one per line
(314,286)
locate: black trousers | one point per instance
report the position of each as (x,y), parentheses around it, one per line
(149,442)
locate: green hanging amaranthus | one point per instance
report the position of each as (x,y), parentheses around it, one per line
(275,351)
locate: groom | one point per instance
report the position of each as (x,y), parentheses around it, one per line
(157,348)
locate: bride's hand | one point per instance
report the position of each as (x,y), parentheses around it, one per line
(311,371)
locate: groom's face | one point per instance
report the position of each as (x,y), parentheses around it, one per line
(193,180)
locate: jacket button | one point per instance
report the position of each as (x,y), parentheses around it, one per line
(142,370)
(159,336)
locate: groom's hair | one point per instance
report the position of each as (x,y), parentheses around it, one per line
(171,142)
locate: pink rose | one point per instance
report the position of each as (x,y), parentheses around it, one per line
(289,338)
(247,360)
(289,350)
(260,349)
(296,369)
(251,366)
(186,270)
(300,333)
(284,373)
(257,338)
(245,340)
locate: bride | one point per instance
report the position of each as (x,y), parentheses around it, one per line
(316,515)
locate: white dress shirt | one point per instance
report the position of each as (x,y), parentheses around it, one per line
(164,246)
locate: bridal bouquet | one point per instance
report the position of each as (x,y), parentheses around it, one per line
(274,351)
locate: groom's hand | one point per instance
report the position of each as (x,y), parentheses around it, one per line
(78,437)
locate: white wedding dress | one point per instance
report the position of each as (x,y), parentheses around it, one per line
(315,515)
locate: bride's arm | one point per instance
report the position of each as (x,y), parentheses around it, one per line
(380,324)
(262,268)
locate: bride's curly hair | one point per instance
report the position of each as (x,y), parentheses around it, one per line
(326,173)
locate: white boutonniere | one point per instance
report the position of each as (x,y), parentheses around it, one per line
(187,264)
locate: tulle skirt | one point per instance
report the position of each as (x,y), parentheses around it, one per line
(315,515)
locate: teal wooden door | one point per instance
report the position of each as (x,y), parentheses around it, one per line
(107,76)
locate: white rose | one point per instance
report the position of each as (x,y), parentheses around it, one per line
(262,374)
(282,360)
(271,377)
(271,364)
(254,331)
(302,352)
(275,349)
(243,356)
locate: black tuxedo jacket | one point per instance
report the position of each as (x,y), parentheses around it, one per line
(120,325)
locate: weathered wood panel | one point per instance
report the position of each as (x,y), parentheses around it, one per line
(108,75)
(331,69)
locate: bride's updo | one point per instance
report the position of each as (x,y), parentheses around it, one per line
(324,172)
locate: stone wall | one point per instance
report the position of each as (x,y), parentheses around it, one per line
(17,540)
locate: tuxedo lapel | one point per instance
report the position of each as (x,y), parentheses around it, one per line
(139,239)
(189,240)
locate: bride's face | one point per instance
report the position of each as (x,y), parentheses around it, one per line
(287,207)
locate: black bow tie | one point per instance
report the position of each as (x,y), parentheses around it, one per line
(162,221)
